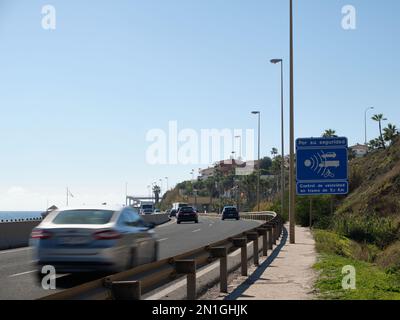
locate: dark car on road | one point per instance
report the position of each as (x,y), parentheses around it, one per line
(230,212)
(187,214)
(173,213)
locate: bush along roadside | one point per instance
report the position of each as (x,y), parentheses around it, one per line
(372,281)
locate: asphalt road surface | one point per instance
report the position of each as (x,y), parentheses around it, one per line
(17,272)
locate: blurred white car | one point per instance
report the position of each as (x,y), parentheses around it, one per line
(93,239)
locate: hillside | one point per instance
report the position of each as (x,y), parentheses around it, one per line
(375,184)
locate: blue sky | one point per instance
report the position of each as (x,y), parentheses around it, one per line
(76,102)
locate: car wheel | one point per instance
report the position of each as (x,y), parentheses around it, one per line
(178,222)
(197,221)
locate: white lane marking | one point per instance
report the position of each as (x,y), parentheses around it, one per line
(211,224)
(197,230)
(15,250)
(162,239)
(21,274)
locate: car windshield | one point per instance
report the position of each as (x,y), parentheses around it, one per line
(230,210)
(83,217)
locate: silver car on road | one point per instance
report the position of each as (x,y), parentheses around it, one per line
(104,239)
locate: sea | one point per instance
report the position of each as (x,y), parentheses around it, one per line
(19,215)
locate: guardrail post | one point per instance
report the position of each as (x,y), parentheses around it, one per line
(125,290)
(274,233)
(222,254)
(263,232)
(188,267)
(242,244)
(253,236)
(269,231)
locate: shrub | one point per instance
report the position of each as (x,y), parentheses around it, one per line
(331,243)
(321,211)
(371,229)
(390,258)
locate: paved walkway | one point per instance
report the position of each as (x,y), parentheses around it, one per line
(286,274)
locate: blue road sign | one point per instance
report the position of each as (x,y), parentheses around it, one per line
(322,166)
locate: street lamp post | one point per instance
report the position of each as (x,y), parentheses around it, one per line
(275,61)
(126,193)
(365,123)
(161,186)
(166,178)
(292,184)
(258,163)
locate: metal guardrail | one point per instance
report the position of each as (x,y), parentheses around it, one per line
(133,283)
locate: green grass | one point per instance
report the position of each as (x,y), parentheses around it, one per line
(372,282)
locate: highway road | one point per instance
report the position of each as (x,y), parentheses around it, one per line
(17,278)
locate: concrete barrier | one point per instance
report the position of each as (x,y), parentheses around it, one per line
(16,234)
(159,218)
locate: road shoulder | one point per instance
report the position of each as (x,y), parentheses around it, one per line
(286,274)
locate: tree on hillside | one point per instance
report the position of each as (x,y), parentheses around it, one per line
(374,144)
(379,118)
(249,183)
(265,164)
(210,186)
(276,170)
(329,133)
(390,133)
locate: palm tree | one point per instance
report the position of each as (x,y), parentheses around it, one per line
(210,186)
(374,144)
(379,118)
(156,191)
(390,133)
(330,133)
(274,152)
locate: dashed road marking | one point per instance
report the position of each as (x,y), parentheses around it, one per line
(15,250)
(21,273)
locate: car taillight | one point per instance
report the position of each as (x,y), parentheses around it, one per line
(40,234)
(107,235)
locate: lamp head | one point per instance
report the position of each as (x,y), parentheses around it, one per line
(275,61)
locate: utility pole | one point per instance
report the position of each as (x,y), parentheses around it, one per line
(258,163)
(292,185)
(126,193)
